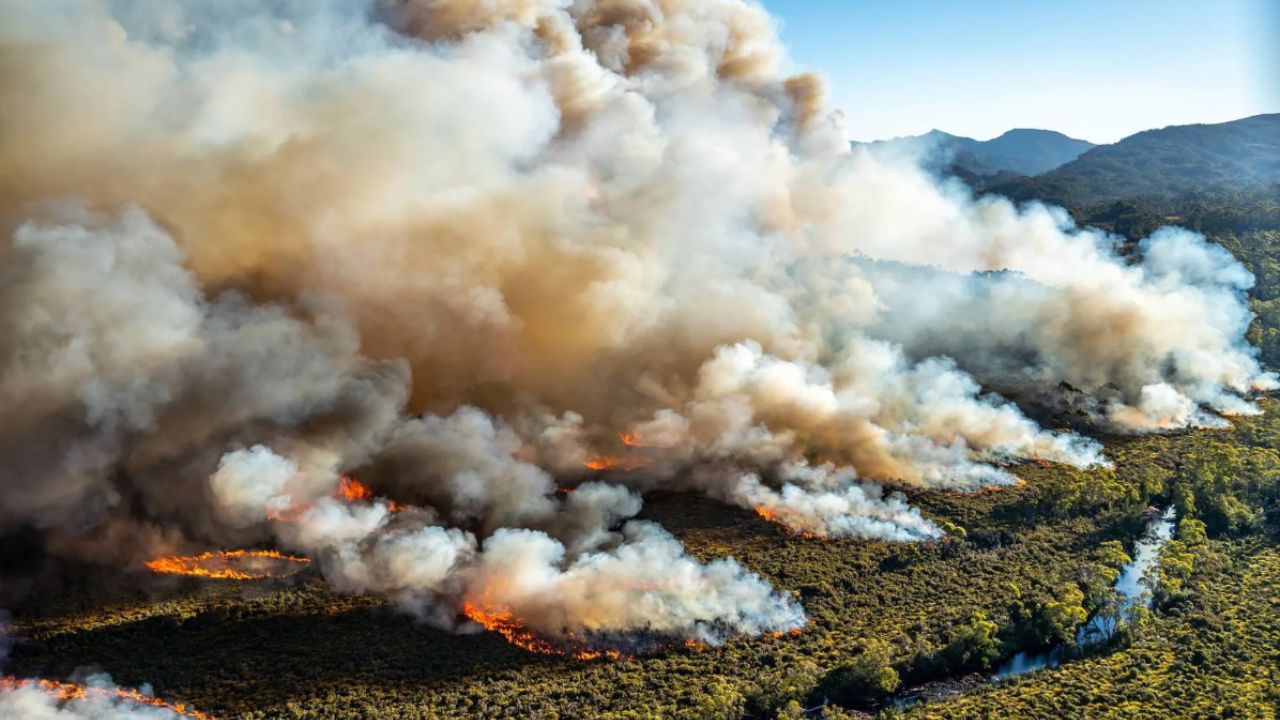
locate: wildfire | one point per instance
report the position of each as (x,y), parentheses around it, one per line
(69,692)
(613,462)
(230,564)
(624,461)
(349,489)
(504,623)
(352,490)
(1017,483)
(776,519)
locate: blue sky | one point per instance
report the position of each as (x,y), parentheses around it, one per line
(1094,69)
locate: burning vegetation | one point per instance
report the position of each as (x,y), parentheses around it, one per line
(64,693)
(602,463)
(778,519)
(353,490)
(350,490)
(625,461)
(506,624)
(231,564)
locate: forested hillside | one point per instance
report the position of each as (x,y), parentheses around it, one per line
(1163,165)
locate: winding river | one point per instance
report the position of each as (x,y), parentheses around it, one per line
(1132,591)
(1097,630)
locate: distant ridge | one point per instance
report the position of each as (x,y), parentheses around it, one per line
(1020,151)
(1163,163)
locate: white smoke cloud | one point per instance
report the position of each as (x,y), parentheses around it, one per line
(251,482)
(610,589)
(826,502)
(646,584)
(1171,323)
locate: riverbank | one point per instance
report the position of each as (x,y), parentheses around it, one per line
(1132,590)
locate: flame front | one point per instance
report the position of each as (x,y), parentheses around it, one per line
(506,624)
(70,692)
(198,565)
(777,519)
(613,462)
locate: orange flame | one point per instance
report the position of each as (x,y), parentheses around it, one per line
(352,490)
(631,439)
(612,462)
(349,489)
(776,519)
(68,692)
(200,565)
(505,624)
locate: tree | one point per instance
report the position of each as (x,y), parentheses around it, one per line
(870,676)
(973,645)
(1059,618)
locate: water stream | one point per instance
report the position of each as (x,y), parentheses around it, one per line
(1098,629)
(1131,589)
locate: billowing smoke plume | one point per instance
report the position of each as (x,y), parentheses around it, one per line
(473,252)
(639,579)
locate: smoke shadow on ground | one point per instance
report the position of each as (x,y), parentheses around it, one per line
(206,655)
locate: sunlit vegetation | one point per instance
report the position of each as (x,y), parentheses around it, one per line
(1211,648)
(1215,653)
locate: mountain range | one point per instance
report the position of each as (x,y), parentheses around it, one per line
(1027,164)
(1161,164)
(1015,153)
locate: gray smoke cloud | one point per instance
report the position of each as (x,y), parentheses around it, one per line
(474,252)
(636,580)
